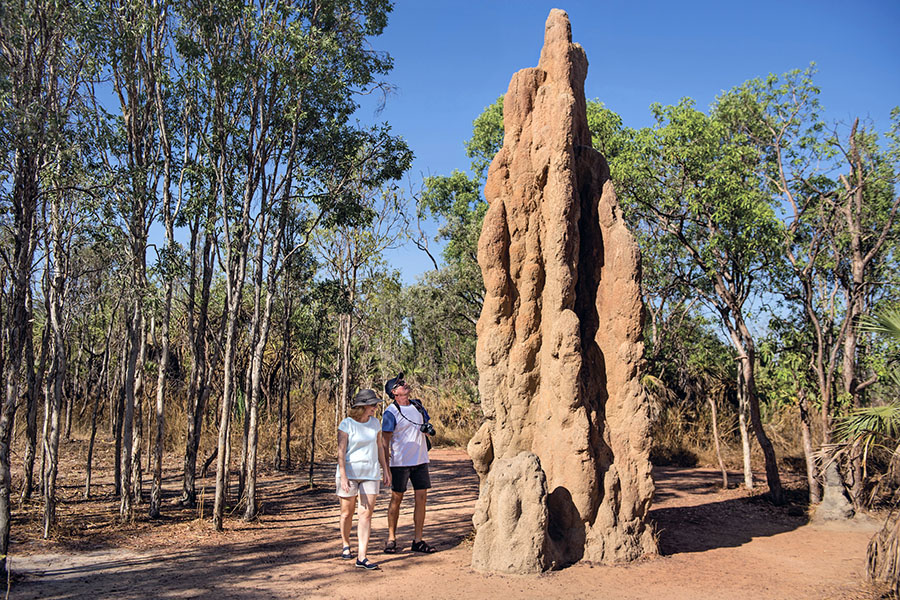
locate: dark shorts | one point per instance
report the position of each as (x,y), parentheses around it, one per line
(418,475)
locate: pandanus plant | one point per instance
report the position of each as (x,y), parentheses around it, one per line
(872,425)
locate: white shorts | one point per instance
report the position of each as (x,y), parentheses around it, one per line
(369,487)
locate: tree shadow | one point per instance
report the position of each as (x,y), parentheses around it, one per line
(294,541)
(709,521)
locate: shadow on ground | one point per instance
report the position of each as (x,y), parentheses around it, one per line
(691,515)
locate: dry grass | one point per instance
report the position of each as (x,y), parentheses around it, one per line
(682,436)
(455,414)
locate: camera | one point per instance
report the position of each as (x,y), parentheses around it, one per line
(427,428)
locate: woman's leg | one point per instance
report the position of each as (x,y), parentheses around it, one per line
(366,508)
(348,505)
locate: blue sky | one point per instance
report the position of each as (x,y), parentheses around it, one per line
(453,58)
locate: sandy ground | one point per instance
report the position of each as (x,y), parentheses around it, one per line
(714,544)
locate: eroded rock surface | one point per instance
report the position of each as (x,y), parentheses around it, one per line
(559,339)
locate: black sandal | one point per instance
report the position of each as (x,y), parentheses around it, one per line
(421,546)
(345,553)
(368,566)
(390,547)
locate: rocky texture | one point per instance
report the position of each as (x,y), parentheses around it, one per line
(835,505)
(559,339)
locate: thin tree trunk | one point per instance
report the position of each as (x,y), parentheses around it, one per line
(224,442)
(715,426)
(288,419)
(70,400)
(815,490)
(286,374)
(45,431)
(346,343)
(90,451)
(245,435)
(743,410)
(285,389)
(772,477)
(315,401)
(126,508)
(118,409)
(35,384)
(55,406)
(256,364)
(281,387)
(138,431)
(199,388)
(156,490)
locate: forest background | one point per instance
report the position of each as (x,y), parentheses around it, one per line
(199,253)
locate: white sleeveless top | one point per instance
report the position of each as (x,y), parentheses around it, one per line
(362,449)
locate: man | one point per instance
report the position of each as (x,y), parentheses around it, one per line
(404,442)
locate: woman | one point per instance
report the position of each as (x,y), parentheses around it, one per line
(361,464)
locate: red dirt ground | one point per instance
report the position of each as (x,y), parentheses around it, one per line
(714,544)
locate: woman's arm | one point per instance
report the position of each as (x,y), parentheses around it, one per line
(343,442)
(382,459)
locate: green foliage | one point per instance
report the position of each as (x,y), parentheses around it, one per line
(457,199)
(486,140)
(691,178)
(607,133)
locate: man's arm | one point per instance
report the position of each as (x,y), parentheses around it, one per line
(386,443)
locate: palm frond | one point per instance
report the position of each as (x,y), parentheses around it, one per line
(885,321)
(870,420)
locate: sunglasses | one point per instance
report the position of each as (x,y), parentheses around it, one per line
(400,383)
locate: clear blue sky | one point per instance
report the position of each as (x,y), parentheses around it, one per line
(453,58)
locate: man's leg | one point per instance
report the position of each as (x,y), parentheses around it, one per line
(394,514)
(419,514)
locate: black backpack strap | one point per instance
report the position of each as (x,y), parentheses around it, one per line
(419,407)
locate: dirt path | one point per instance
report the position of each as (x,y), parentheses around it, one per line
(715,544)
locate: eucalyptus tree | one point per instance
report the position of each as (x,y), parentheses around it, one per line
(837,194)
(692,178)
(198,213)
(279,78)
(175,112)
(65,213)
(315,176)
(133,37)
(216,43)
(38,57)
(294,284)
(320,300)
(835,189)
(67,210)
(352,251)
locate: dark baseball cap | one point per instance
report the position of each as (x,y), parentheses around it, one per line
(365,397)
(392,383)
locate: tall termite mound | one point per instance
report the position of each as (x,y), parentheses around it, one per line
(563,455)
